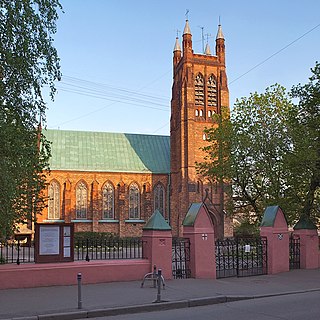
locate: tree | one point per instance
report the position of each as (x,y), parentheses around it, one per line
(29,62)
(272,153)
(254,143)
(303,162)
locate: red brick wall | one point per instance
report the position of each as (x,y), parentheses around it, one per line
(187,129)
(68,181)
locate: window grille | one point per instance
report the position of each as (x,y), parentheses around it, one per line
(212,91)
(199,90)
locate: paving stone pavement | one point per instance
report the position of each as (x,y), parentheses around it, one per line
(61,302)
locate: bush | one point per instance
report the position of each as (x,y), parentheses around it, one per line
(246,229)
(94,236)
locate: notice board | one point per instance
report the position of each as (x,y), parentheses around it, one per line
(54,242)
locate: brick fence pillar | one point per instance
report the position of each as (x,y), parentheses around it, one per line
(198,227)
(309,244)
(157,244)
(275,228)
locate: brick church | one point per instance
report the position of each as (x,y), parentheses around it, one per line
(113,182)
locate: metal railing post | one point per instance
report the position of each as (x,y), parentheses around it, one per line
(18,259)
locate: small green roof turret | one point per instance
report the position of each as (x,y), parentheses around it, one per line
(157,222)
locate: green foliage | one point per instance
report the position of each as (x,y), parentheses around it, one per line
(28,62)
(93,236)
(246,228)
(246,151)
(303,162)
(268,152)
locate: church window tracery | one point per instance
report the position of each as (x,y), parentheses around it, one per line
(81,201)
(134,201)
(199,90)
(54,201)
(212,91)
(159,198)
(108,201)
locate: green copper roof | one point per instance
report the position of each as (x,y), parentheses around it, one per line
(269,216)
(108,152)
(192,213)
(305,223)
(157,222)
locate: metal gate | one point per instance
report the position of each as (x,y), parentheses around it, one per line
(241,257)
(294,252)
(181,258)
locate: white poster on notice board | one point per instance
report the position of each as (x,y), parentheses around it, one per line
(49,240)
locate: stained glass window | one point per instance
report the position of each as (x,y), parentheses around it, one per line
(159,198)
(81,201)
(108,201)
(54,201)
(134,202)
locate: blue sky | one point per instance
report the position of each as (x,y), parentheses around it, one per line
(116,56)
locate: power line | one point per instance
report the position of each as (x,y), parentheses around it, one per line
(96,93)
(274,54)
(114,101)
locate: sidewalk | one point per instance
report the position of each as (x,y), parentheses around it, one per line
(128,297)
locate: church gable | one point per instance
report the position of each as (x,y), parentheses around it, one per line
(108,152)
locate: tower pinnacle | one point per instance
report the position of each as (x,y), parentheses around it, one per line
(177,45)
(187,28)
(219,33)
(207,50)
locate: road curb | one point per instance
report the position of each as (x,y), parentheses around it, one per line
(164,305)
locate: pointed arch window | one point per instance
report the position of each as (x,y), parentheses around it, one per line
(108,201)
(81,201)
(159,198)
(199,90)
(212,91)
(134,201)
(54,201)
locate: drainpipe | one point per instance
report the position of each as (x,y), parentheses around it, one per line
(168,198)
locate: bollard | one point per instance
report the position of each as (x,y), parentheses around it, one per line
(154,275)
(79,291)
(159,286)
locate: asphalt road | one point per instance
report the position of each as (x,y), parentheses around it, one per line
(303,306)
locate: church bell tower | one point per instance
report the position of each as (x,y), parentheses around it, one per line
(199,90)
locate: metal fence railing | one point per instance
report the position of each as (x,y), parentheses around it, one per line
(108,249)
(16,251)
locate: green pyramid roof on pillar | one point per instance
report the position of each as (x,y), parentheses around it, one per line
(192,214)
(157,222)
(305,223)
(269,216)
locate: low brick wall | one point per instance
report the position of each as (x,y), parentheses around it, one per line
(60,274)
